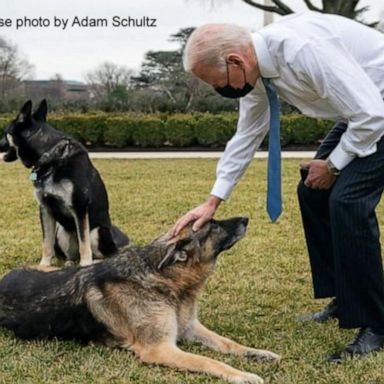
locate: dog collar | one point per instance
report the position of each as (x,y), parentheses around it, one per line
(44,161)
(38,179)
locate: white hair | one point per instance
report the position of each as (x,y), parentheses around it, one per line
(210,43)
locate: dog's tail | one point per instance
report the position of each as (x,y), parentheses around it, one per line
(119,237)
(59,253)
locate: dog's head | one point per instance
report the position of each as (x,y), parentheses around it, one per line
(28,136)
(202,246)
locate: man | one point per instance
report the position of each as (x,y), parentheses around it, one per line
(328,67)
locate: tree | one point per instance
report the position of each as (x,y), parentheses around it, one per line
(109,84)
(13,69)
(163,74)
(347,8)
(161,71)
(108,77)
(181,37)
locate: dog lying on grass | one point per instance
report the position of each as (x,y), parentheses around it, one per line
(144,299)
(72,196)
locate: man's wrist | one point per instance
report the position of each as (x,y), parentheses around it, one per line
(214,201)
(331,168)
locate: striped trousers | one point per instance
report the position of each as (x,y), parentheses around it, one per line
(343,237)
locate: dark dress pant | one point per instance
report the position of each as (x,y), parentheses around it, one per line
(343,236)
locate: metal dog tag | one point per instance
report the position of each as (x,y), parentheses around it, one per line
(33,176)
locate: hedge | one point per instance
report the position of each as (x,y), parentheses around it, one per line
(215,130)
(179,130)
(173,130)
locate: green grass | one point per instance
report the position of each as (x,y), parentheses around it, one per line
(258,289)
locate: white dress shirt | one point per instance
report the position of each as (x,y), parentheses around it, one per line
(328,67)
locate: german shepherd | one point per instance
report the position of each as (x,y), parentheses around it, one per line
(67,186)
(143,299)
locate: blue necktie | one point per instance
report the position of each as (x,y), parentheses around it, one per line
(274,205)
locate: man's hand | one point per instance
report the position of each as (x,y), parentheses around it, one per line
(319,176)
(200,215)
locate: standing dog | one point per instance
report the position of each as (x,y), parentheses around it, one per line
(143,300)
(67,186)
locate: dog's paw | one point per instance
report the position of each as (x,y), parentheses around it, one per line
(45,262)
(69,263)
(85,263)
(247,378)
(262,355)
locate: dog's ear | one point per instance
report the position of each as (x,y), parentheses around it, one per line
(41,112)
(25,112)
(177,252)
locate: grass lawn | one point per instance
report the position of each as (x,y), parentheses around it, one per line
(259,286)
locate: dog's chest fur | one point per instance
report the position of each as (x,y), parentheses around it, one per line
(58,193)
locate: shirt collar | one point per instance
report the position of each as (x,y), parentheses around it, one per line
(266,66)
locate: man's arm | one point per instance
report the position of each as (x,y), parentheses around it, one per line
(332,71)
(251,129)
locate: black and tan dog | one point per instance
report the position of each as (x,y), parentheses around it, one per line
(67,186)
(143,299)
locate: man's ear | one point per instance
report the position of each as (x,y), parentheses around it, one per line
(41,111)
(235,59)
(177,252)
(25,112)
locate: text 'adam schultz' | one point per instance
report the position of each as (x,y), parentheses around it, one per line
(117,21)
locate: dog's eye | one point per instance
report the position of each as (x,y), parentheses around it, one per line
(181,256)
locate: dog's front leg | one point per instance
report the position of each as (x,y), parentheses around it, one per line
(212,340)
(84,238)
(48,226)
(170,355)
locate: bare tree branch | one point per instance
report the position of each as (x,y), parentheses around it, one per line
(107,77)
(13,68)
(285,10)
(310,6)
(283,6)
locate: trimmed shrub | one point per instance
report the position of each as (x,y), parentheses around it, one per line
(304,130)
(179,130)
(89,129)
(148,132)
(4,121)
(214,130)
(119,131)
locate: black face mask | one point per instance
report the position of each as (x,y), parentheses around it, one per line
(231,92)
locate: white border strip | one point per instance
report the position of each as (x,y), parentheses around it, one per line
(188,155)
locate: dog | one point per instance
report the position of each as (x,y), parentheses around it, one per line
(143,299)
(72,196)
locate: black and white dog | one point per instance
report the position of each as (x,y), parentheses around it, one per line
(72,196)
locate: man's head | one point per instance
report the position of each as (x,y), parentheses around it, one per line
(223,56)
